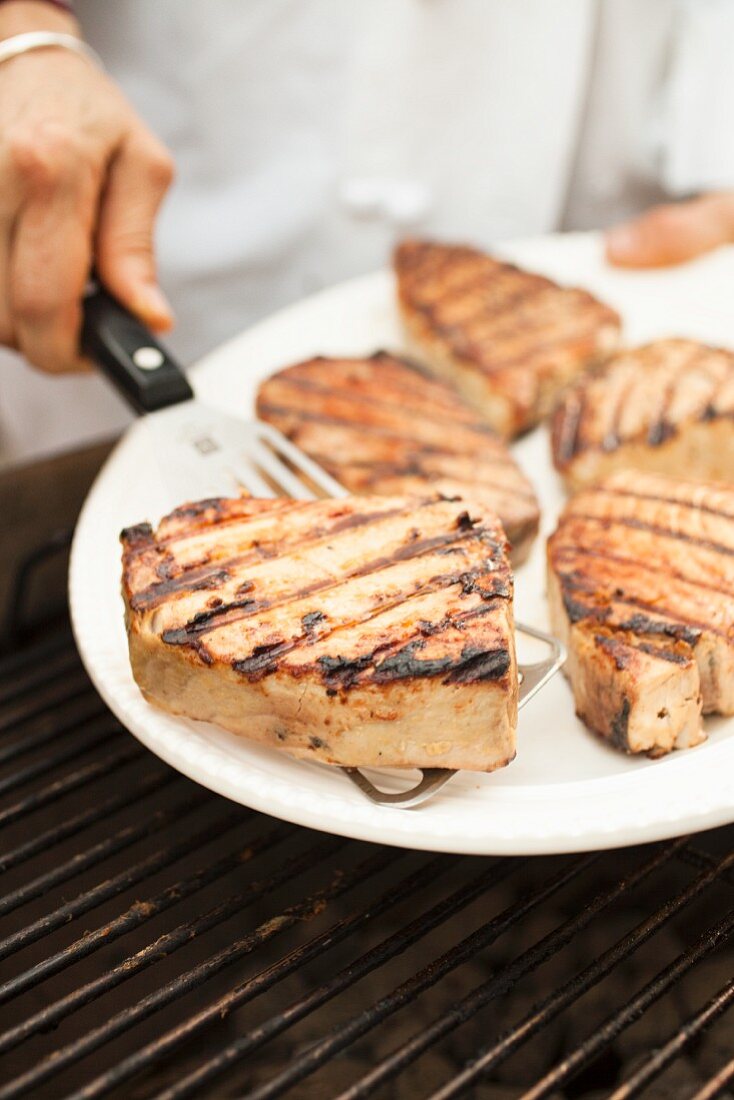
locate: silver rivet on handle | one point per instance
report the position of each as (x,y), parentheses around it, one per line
(148,358)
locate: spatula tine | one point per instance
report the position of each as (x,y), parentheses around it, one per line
(248,478)
(284,479)
(301,462)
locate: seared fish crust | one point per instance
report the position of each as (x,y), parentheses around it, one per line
(382,425)
(373,630)
(641,589)
(667,407)
(508,339)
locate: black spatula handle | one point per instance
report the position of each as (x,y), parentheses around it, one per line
(143,371)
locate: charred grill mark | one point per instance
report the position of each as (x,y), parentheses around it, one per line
(660,432)
(636,495)
(205,621)
(662,429)
(360,519)
(263,659)
(225,614)
(611,440)
(472,666)
(419,457)
(666,570)
(165,567)
(464,522)
(577,612)
(642,624)
(270,411)
(471,586)
(670,655)
(654,529)
(196,577)
(677,626)
(568,426)
(479,665)
(577,346)
(311,620)
(357,397)
(137,537)
(224,518)
(344,672)
(620,727)
(496,293)
(198,508)
(618,648)
(421,547)
(202,579)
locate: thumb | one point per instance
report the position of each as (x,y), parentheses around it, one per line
(137,180)
(672,234)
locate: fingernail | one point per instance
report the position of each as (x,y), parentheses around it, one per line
(153,306)
(621,240)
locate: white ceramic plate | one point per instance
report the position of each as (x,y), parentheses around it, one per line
(566,791)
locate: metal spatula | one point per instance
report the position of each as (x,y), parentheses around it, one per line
(202,452)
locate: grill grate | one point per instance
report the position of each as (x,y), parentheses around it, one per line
(158,941)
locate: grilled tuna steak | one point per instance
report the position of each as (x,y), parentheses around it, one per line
(381,425)
(508,339)
(641,588)
(667,407)
(357,631)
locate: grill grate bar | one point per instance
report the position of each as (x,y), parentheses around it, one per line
(82,861)
(95,709)
(505,978)
(405,993)
(21,716)
(696,857)
(691,1029)
(89,737)
(580,983)
(164,946)
(100,893)
(718,1084)
(49,672)
(129,751)
(41,842)
(376,957)
(136,915)
(266,979)
(37,653)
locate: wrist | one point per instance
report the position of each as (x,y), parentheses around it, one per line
(20,16)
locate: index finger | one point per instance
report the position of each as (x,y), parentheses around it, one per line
(50,258)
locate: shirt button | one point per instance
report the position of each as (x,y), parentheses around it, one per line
(402,202)
(407,202)
(362,196)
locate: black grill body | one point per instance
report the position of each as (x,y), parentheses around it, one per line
(159,941)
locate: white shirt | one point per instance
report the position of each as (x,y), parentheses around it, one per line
(310,134)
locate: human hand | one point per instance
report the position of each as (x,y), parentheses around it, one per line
(81,180)
(673,233)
